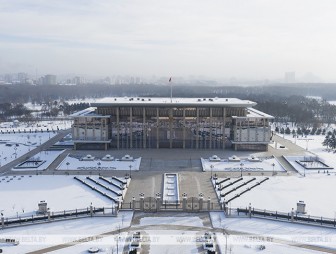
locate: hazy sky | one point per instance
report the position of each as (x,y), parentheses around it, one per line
(216,38)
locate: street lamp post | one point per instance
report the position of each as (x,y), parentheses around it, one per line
(98,164)
(211,167)
(226,235)
(273,164)
(241,169)
(117,244)
(130,166)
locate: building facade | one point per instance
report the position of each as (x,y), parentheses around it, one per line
(187,123)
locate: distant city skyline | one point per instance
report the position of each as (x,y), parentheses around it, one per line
(244,40)
(74,79)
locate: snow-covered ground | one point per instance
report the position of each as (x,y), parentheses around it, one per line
(35,125)
(292,160)
(266,164)
(86,100)
(270,230)
(282,193)
(253,246)
(23,193)
(35,237)
(15,145)
(106,245)
(47,156)
(33,106)
(72,163)
(314,145)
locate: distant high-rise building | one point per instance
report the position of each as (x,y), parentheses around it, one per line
(78,80)
(22,77)
(49,80)
(8,78)
(290,77)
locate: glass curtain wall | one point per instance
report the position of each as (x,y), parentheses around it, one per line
(160,127)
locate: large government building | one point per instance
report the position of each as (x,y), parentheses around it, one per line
(187,123)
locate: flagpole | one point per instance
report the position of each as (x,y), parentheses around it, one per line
(171,90)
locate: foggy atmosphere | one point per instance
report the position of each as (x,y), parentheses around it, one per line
(167,126)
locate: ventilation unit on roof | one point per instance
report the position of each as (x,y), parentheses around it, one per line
(199,100)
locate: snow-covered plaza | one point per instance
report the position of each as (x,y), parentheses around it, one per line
(82,179)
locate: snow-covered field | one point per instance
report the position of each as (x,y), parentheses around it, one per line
(86,100)
(72,163)
(314,145)
(35,237)
(35,125)
(47,156)
(293,233)
(107,244)
(281,194)
(15,145)
(292,160)
(266,164)
(23,193)
(250,247)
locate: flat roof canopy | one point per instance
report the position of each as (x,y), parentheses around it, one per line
(174,102)
(254,113)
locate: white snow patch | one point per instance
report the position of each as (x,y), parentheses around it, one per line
(23,193)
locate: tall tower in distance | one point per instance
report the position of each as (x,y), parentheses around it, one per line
(290,77)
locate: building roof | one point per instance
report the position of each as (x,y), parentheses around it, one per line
(91,111)
(168,102)
(254,113)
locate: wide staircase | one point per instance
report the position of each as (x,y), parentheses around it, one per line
(113,188)
(230,189)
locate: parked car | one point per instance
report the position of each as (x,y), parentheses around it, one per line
(209,245)
(134,245)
